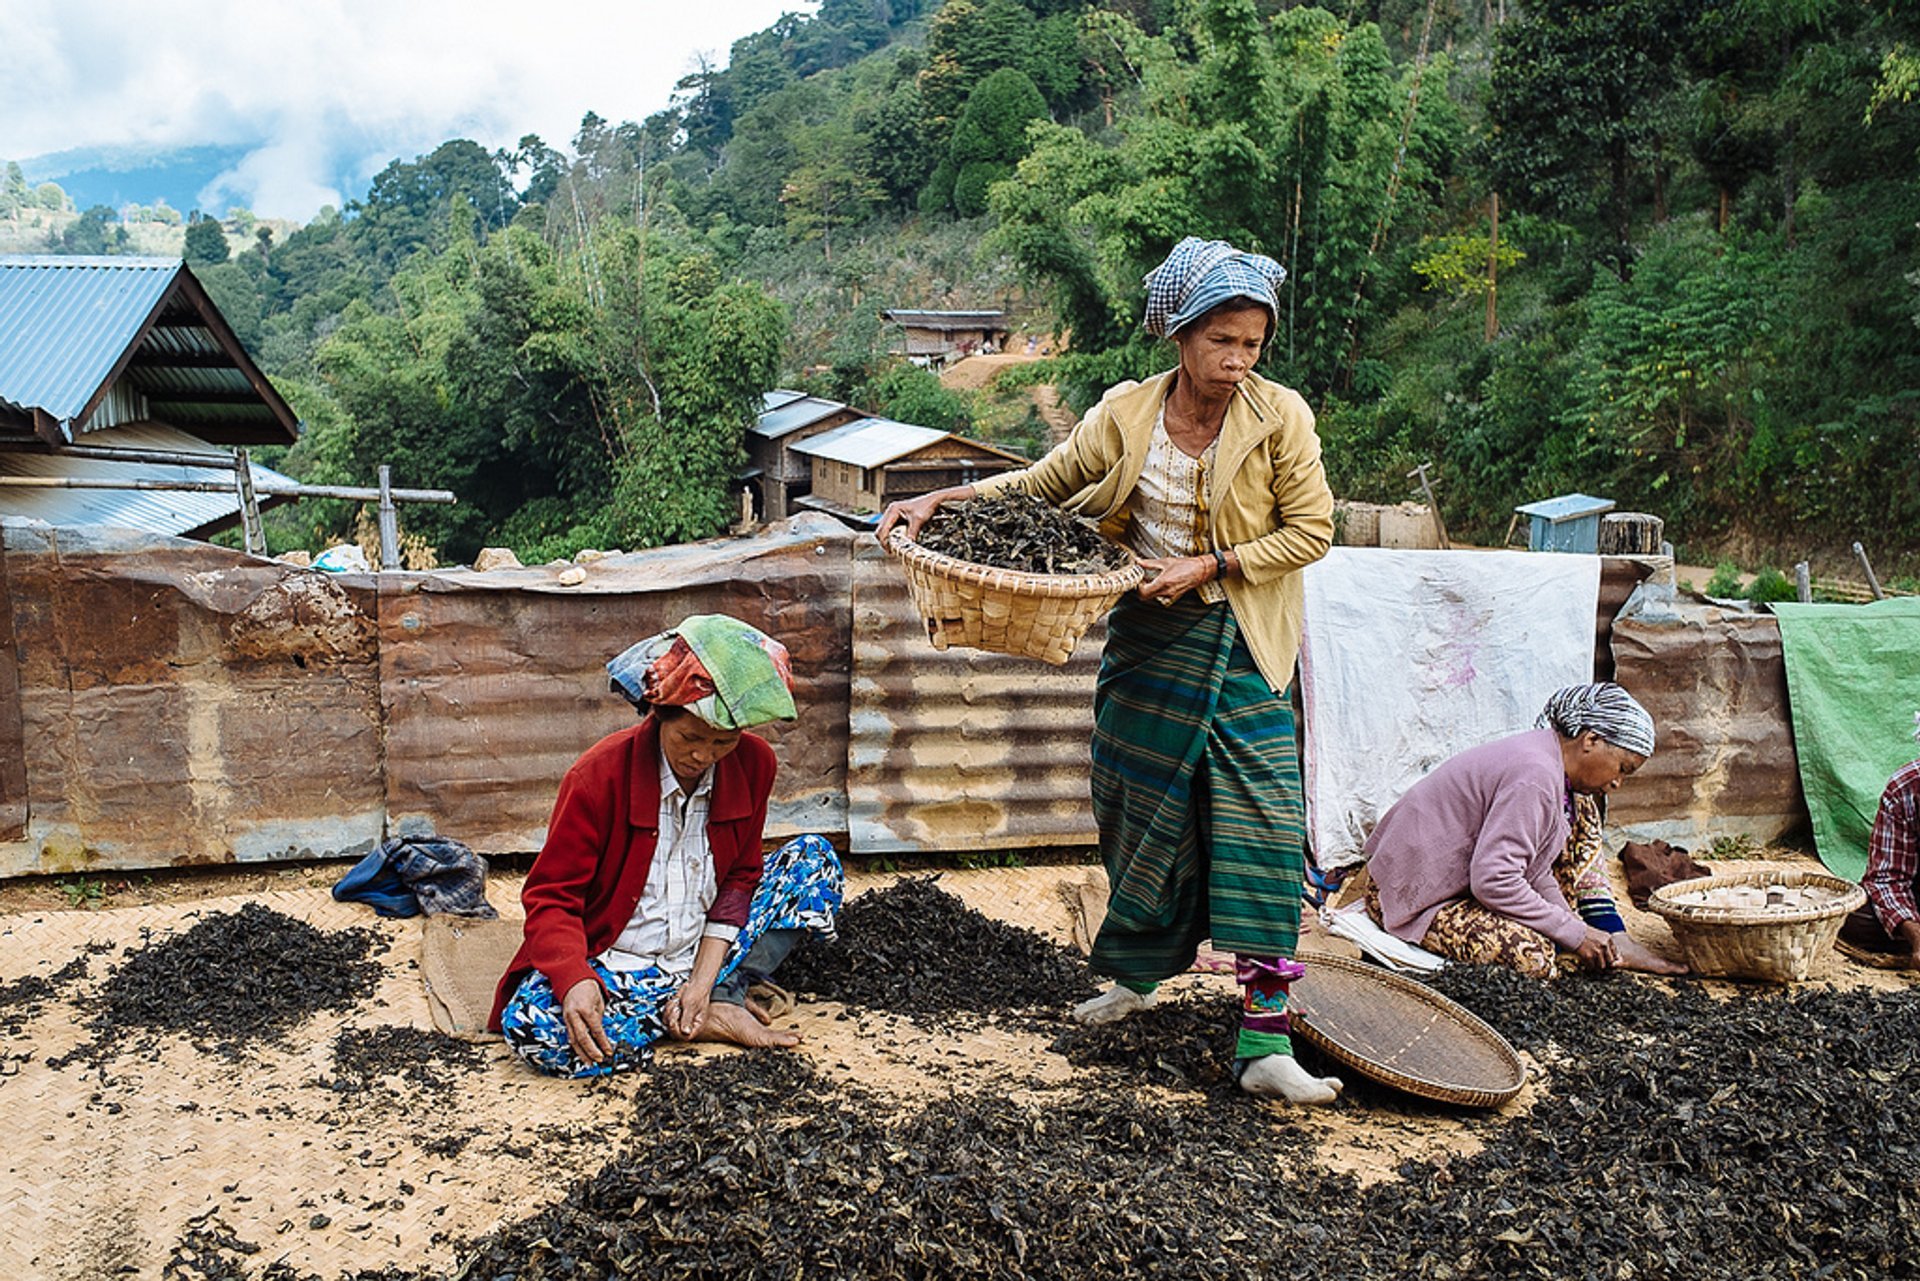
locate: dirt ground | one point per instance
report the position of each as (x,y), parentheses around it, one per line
(109,1166)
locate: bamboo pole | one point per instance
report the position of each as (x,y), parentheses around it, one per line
(1873,580)
(348,492)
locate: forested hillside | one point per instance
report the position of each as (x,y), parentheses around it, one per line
(1660,250)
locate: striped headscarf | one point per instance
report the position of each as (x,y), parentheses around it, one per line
(1199,275)
(1604,708)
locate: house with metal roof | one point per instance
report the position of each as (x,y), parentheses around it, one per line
(789,418)
(861,467)
(114,370)
(934,337)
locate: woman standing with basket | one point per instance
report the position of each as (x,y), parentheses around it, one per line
(1212,475)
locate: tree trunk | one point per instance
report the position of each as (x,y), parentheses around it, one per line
(1493,271)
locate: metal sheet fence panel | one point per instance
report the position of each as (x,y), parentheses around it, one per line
(13,762)
(1716,685)
(959,749)
(495,683)
(181,703)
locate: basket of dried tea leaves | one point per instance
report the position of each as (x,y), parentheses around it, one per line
(1012,574)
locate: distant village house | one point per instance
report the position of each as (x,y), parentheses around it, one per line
(861,467)
(935,337)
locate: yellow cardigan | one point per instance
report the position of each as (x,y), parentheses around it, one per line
(1267,497)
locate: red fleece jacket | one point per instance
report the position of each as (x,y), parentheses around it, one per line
(583,887)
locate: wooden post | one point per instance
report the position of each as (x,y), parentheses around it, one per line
(389,523)
(1803,583)
(1433,505)
(1866,566)
(252,534)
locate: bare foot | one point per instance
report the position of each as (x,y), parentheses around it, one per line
(1112,1005)
(1631,955)
(733,1025)
(1280,1076)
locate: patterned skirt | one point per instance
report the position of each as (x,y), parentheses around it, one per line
(1196,790)
(800,889)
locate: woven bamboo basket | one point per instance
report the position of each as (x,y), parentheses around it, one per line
(1002,610)
(1402,1033)
(1779,944)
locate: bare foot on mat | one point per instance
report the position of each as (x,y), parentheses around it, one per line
(733,1025)
(1631,955)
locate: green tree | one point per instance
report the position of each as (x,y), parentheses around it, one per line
(50,196)
(97,231)
(991,136)
(206,243)
(831,187)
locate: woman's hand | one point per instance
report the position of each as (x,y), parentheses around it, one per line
(1596,950)
(1171,577)
(584,1011)
(687,1009)
(913,512)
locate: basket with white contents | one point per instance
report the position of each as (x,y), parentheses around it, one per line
(1043,615)
(1771,925)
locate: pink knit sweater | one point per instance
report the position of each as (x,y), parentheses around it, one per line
(1487,823)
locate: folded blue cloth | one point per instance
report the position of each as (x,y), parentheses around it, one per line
(409,875)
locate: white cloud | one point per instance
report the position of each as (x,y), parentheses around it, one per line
(325,87)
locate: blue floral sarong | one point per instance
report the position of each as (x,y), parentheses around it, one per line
(799,889)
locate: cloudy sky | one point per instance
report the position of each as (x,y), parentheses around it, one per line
(317,89)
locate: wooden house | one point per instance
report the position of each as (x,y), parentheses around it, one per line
(773,468)
(936,337)
(861,467)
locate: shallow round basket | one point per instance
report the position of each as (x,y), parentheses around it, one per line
(1779,945)
(1031,615)
(1402,1033)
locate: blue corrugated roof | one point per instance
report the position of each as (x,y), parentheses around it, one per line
(794,415)
(158,511)
(65,323)
(870,442)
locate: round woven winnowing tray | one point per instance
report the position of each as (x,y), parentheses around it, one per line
(1403,1034)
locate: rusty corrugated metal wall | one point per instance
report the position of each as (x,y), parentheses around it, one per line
(957,749)
(1716,685)
(179,703)
(494,683)
(167,702)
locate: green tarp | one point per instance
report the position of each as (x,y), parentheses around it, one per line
(1853,683)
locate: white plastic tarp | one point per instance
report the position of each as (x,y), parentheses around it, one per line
(1413,656)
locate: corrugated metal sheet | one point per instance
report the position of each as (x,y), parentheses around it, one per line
(65,322)
(1716,685)
(779,396)
(153,511)
(949,319)
(791,417)
(181,703)
(495,683)
(958,749)
(870,442)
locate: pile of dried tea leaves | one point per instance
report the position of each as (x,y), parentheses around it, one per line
(916,950)
(756,1166)
(372,1059)
(1020,532)
(233,980)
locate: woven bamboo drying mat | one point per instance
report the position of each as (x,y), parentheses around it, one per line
(100,1177)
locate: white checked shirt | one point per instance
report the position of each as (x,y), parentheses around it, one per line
(671,917)
(1169,504)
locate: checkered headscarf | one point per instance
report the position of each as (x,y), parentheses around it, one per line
(1199,275)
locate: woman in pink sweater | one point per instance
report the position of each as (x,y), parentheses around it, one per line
(1496,857)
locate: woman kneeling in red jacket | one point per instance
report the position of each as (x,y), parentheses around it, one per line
(650,909)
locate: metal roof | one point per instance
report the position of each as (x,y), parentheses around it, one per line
(779,396)
(1566,507)
(792,416)
(156,511)
(949,319)
(870,442)
(88,343)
